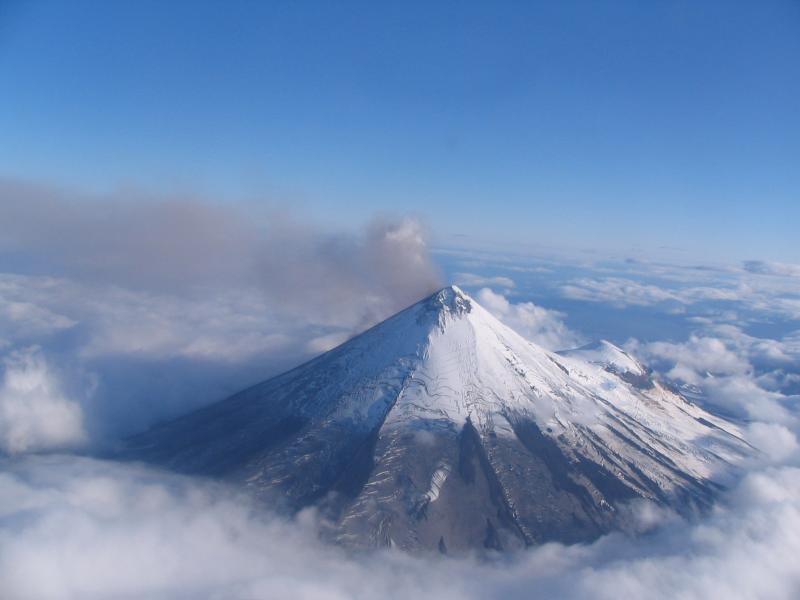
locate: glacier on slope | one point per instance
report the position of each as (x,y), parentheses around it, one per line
(441,428)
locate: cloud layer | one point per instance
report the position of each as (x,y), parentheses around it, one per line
(78,528)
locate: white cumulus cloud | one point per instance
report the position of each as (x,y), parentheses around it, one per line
(34,412)
(540,325)
(776,441)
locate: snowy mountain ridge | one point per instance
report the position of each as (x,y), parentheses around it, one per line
(609,356)
(441,428)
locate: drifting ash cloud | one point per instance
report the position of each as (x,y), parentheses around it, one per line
(77,528)
(168,303)
(179,245)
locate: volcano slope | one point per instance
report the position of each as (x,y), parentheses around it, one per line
(442,429)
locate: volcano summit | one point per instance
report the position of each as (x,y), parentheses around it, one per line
(441,428)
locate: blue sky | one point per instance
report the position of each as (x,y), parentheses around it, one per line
(619,125)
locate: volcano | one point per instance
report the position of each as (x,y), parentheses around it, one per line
(442,429)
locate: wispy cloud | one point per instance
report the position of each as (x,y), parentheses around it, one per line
(475,280)
(622,292)
(778,269)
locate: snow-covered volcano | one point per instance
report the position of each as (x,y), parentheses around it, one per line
(443,428)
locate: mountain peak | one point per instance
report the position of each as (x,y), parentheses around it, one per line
(449,300)
(442,426)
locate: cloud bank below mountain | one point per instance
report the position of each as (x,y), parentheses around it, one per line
(78,528)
